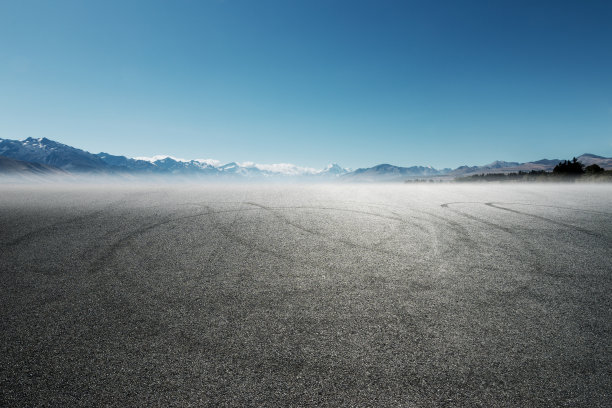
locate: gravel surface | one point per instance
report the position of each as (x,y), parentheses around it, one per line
(304,295)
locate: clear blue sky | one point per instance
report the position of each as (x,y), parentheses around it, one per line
(439,83)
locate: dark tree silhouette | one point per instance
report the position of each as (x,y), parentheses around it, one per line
(569,167)
(593,169)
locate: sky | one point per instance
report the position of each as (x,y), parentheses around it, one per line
(440,83)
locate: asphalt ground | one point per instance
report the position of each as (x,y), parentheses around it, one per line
(331,295)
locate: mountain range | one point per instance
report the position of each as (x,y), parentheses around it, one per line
(60,157)
(43,156)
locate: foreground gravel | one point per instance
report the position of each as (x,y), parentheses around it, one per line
(245,295)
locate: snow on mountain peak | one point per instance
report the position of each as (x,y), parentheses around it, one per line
(334,168)
(249,167)
(163,162)
(158,157)
(287,169)
(210,162)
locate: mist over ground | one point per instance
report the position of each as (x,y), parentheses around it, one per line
(294,295)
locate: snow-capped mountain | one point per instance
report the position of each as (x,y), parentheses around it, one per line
(334,169)
(48,152)
(159,164)
(251,169)
(245,169)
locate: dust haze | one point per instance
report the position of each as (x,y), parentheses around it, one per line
(144,294)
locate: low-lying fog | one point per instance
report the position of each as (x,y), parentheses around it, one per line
(273,294)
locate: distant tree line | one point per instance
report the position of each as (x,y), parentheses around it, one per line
(567,170)
(574,168)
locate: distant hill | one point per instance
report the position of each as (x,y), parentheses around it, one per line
(587,159)
(388,172)
(543,164)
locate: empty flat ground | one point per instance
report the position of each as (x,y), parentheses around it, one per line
(404,295)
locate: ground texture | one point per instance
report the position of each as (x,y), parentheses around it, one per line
(405,295)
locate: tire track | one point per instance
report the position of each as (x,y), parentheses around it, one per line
(120,243)
(533,254)
(559,207)
(227,231)
(217,252)
(535,264)
(47,228)
(539,217)
(439,226)
(29,235)
(374,248)
(455,226)
(471,217)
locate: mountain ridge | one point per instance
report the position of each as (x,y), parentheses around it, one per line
(60,158)
(67,158)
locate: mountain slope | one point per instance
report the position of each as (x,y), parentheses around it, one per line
(46,151)
(9,165)
(122,161)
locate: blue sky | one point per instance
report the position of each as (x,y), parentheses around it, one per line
(439,83)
